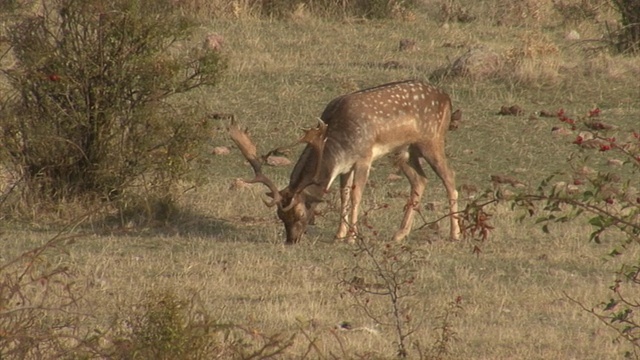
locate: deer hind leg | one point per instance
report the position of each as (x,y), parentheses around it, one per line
(436,158)
(346,184)
(409,163)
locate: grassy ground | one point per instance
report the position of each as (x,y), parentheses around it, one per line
(229,250)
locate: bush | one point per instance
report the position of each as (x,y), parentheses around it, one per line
(166,326)
(40,318)
(38,305)
(370,9)
(606,200)
(89,112)
(382,284)
(629,36)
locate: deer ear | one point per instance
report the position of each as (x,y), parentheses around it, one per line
(322,126)
(280,195)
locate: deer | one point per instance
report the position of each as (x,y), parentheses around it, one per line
(408,118)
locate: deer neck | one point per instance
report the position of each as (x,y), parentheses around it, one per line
(310,164)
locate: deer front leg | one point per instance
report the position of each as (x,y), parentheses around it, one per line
(418,181)
(346,183)
(360,176)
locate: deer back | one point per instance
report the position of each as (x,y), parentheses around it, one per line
(371,123)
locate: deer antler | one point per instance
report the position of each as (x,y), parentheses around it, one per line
(316,138)
(249,151)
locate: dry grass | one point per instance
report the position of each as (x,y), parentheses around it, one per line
(513,293)
(228,247)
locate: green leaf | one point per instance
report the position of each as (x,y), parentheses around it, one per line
(542,219)
(597,221)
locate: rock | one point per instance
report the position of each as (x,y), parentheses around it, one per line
(238,184)
(391,65)
(599,125)
(572,35)
(505,179)
(407,45)
(585,135)
(221,150)
(615,162)
(546,113)
(477,62)
(514,110)
(278,161)
(214,42)
(560,131)
(593,143)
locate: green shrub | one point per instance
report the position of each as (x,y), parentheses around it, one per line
(89,110)
(165,326)
(162,329)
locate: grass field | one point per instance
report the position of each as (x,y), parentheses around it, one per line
(228,248)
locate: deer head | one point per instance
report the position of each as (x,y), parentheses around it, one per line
(295,207)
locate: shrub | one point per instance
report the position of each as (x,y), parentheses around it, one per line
(605,199)
(629,35)
(386,274)
(575,12)
(38,305)
(90,109)
(40,319)
(382,284)
(166,326)
(373,9)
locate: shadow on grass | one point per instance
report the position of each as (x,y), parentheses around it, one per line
(184,223)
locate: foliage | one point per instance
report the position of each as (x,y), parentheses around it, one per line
(161,331)
(575,12)
(382,283)
(38,299)
(607,201)
(446,335)
(375,9)
(40,319)
(165,326)
(386,273)
(629,35)
(89,112)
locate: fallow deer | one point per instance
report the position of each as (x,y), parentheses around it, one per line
(409,118)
